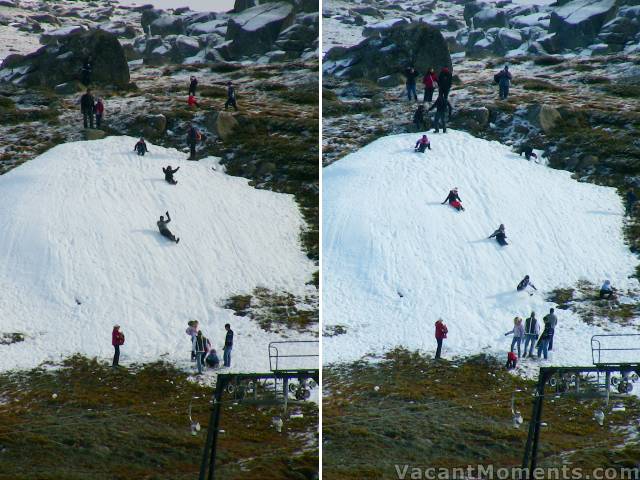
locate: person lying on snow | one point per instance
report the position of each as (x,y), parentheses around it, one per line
(168,174)
(422,144)
(141,147)
(454,200)
(164,231)
(524,283)
(500,236)
(606,290)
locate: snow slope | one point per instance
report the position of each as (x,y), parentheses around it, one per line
(78,224)
(385,234)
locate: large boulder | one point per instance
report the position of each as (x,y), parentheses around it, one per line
(299,36)
(544,116)
(621,30)
(308,6)
(489,18)
(149,16)
(186,46)
(397,47)
(223,124)
(54,36)
(53,65)
(167,25)
(578,22)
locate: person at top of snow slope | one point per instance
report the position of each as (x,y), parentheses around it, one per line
(500,235)
(531,332)
(454,199)
(528,152)
(524,283)
(550,321)
(99,109)
(168,174)
(164,231)
(192,331)
(231,97)
(418,118)
(191,101)
(117,339)
(441,334)
(193,83)
(422,144)
(429,81)
(503,79)
(512,360)
(141,147)
(411,74)
(202,346)
(606,290)
(87,108)
(518,333)
(444,82)
(441,105)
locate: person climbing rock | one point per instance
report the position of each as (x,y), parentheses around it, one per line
(528,152)
(422,144)
(228,346)
(87,108)
(418,118)
(164,231)
(168,174)
(99,109)
(441,334)
(193,84)
(193,137)
(141,147)
(445,80)
(524,283)
(441,105)
(518,333)
(411,75)
(117,340)
(231,97)
(192,102)
(86,71)
(503,79)
(606,290)
(202,346)
(531,332)
(500,235)
(454,200)
(429,81)
(550,322)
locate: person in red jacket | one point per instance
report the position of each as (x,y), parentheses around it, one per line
(117,339)
(512,360)
(191,101)
(429,81)
(441,334)
(99,108)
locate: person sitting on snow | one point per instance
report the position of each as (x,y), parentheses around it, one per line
(454,200)
(524,283)
(168,174)
(212,359)
(606,290)
(141,147)
(528,152)
(422,144)
(500,235)
(164,231)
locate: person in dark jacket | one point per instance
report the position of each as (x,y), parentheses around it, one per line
(87,108)
(422,144)
(500,235)
(231,97)
(228,346)
(445,79)
(454,200)
(193,84)
(411,75)
(99,109)
(631,201)
(441,334)
(164,231)
(531,332)
(606,290)
(141,147)
(87,70)
(543,342)
(504,80)
(441,105)
(193,136)
(418,118)
(528,152)
(550,322)
(202,347)
(212,359)
(429,81)
(117,339)
(524,283)
(168,174)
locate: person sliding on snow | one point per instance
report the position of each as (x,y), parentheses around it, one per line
(164,231)
(606,290)
(444,82)
(141,147)
(528,152)
(168,174)
(231,97)
(193,83)
(454,200)
(500,236)
(429,81)
(524,283)
(441,104)
(418,118)
(503,79)
(422,144)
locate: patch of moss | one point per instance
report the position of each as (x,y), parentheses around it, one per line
(539,85)
(623,90)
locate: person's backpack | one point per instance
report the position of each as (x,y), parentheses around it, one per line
(198,135)
(121,339)
(496,78)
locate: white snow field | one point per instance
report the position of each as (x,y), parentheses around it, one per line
(78,224)
(385,234)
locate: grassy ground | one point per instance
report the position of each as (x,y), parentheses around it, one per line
(85,421)
(409,409)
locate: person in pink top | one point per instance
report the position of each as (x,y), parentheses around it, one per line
(117,339)
(441,334)
(429,81)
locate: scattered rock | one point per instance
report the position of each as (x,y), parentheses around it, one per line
(94,134)
(167,25)
(222,124)
(578,22)
(69,88)
(489,17)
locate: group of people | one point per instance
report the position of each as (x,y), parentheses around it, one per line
(443,82)
(529,333)
(192,102)
(91,108)
(202,352)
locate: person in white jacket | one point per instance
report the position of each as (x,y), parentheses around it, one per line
(531,334)
(518,333)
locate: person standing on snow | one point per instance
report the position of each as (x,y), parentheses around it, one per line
(99,109)
(117,339)
(168,174)
(503,79)
(543,342)
(193,137)
(202,346)
(531,333)
(228,346)
(418,118)
(87,108)
(192,331)
(500,235)
(454,200)
(606,290)
(441,105)
(193,84)
(518,333)
(550,321)
(524,283)
(411,75)
(164,231)
(445,81)
(422,144)
(429,81)
(441,334)
(231,97)
(141,147)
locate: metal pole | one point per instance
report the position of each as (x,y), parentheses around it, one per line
(209,455)
(286,392)
(544,375)
(607,380)
(535,421)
